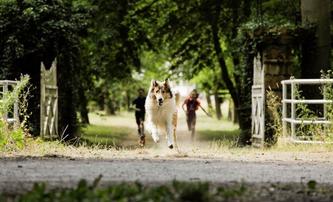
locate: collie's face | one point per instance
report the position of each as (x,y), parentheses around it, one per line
(160,91)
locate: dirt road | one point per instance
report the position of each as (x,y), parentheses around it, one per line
(157,164)
(17,175)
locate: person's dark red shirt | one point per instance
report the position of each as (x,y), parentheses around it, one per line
(191,104)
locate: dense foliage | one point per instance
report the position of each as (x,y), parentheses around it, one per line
(108,49)
(35,31)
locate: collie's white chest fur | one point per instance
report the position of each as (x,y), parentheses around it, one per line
(160,116)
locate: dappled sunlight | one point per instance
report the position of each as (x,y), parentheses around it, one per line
(123,119)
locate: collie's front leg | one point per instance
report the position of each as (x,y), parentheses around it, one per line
(169,130)
(154,133)
(152,127)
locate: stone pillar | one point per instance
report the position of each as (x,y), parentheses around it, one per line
(277,61)
(271,65)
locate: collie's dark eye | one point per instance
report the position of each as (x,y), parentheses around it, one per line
(163,91)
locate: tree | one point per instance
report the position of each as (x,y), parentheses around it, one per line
(113,52)
(316,52)
(193,31)
(35,31)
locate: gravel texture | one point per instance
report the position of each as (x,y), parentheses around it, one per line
(19,174)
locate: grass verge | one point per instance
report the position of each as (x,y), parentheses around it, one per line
(105,136)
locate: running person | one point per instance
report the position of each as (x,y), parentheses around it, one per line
(192,104)
(140,112)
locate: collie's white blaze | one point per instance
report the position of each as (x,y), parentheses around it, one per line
(159,99)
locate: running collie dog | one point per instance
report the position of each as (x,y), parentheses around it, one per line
(161,112)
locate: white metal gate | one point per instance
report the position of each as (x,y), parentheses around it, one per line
(290,117)
(49,102)
(12,116)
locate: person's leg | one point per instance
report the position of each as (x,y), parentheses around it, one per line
(137,119)
(143,123)
(138,122)
(142,134)
(193,123)
(188,121)
(141,130)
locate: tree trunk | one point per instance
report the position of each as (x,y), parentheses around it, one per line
(243,115)
(316,51)
(101,102)
(217,106)
(209,101)
(220,57)
(68,101)
(128,100)
(83,106)
(239,95)
(316,47)
(110,106)
(231,111)
(224,71)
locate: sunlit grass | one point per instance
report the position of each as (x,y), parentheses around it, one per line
(117,129)
(122,119)
(285,145)
(207,123)
(105,135)
(220,133)
(212,135)
(217,136)
(116,137)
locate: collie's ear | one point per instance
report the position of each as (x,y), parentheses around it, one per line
(167,86)
(153,83)
(170,93)
(166,82)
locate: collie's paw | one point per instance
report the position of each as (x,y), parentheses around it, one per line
(171,146)
(155,138)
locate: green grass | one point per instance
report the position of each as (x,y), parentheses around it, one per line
(219,135)
(108,136)
(120,131)
(210,129)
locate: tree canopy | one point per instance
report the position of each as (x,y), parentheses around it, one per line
(108,49)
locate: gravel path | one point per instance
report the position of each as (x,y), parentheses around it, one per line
(158,164)
(17,175)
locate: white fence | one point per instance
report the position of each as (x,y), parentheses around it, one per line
(13,116)
(293,101)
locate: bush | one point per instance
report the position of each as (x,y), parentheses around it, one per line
(12,137)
